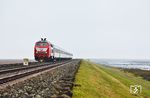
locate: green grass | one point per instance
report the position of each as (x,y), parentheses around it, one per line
(98,81)
(138,72)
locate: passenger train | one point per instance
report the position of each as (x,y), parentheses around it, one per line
(46,51)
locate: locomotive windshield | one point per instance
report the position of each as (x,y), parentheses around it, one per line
(42,44)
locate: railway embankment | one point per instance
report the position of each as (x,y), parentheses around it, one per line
(98,81)
(57,82)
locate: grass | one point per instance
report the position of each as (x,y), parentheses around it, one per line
(138,72)
(98,81)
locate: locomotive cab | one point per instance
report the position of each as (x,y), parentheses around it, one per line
(42,50)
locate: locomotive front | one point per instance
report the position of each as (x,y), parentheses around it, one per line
(42,50)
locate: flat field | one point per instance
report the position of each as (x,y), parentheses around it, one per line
(97,81)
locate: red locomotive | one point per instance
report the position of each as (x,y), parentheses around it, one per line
(45,51)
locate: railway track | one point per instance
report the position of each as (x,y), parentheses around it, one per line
(15,65)
(6,70)
(7,76)
(4,67)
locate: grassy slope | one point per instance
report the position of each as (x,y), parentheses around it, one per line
(102,82)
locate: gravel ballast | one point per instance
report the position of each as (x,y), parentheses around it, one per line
(55,83)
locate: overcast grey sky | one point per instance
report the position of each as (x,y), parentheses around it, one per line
(87,28)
